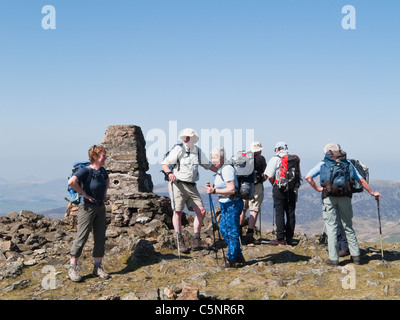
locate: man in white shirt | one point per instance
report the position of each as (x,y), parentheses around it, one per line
(184,160)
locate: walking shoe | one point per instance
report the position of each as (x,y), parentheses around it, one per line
(356,260)
(227,263)
(277,242)
(99,272)
(199,244)
(332,263)
(73,273)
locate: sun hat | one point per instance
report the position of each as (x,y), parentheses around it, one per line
(256,146)
(188,132)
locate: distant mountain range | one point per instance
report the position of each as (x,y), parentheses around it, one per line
(32,193)
(47,197)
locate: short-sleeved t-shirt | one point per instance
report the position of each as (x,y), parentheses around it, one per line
(314,172)
(189,161)
(93,182)
(228,173)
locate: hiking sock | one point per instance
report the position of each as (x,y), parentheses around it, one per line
(97,264)
(250,231)
(196,235)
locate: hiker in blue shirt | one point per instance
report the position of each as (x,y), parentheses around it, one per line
(338,204)
(92,183)
(226,185)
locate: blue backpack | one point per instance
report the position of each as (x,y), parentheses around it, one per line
(75,197)
(336,176)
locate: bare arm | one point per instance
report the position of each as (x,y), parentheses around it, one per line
(368,188)
(229,190)
(271,180)
(73,182)
(171,176)
(312,183)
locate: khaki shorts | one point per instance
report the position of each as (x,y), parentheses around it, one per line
(255,203)
(184,194)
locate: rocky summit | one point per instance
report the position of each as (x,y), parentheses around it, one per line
(142,258)
(144,265)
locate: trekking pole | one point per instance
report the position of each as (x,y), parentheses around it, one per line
(380,225)
(213,226)
(273,222)
(175,217)
(216,223)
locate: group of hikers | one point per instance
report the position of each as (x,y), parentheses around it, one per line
(180,166)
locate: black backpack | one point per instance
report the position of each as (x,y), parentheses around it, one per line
(290,175)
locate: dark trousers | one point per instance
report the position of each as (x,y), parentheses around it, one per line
(341,237)
(284,204)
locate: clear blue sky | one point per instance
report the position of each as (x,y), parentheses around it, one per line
(286,69)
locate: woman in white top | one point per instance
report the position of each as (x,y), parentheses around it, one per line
(226,186)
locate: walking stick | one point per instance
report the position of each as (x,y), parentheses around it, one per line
(175,217)
(213,226)
(273,222)
(380,225)
(214,218)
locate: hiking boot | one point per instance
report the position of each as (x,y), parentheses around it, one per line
(240,260)
(332,263)
(99,272)
(249,239)
(227,263)
(182,248)
(73,273)
(356,260)
(343,253)
(277,242)
(289,241)
(199,244)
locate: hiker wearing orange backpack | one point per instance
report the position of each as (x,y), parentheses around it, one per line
(283,172)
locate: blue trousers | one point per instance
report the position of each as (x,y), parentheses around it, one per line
(229,227)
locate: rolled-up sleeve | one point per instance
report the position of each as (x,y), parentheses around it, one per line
(315,171)
(204,161)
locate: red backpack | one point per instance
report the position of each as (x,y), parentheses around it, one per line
(290,175)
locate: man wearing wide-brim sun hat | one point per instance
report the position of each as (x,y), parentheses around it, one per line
(181,166)
(254,204)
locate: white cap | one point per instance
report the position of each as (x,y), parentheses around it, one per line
(281,145)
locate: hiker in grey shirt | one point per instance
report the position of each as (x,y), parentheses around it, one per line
(185,160)
(284,202)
